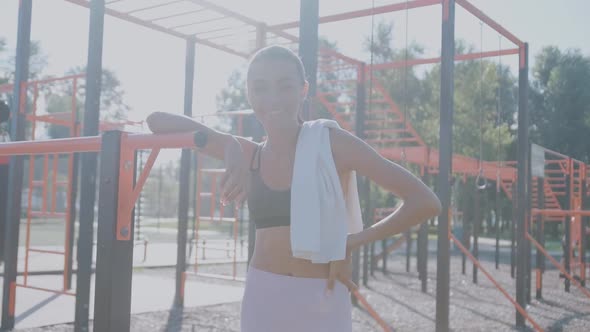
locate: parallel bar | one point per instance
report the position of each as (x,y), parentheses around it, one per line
(445,164)
(16,166)
(89,163)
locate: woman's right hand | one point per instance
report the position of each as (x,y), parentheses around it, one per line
(236,179)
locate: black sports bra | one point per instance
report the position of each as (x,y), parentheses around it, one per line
(267,207)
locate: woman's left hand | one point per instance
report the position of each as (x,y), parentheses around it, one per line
(340,270)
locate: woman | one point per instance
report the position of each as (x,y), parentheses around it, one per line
(284,293)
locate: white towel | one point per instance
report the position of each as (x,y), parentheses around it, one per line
(321,217)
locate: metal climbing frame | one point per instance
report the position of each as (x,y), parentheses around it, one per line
(560,194)
(227,37)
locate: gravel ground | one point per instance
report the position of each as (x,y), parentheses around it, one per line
(397,297)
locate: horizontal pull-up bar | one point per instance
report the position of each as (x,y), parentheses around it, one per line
(458,57)
(93,144)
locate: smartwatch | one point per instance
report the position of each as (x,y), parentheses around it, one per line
(200,139)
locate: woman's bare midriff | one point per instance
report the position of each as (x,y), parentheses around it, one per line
(272,250)
(272,253)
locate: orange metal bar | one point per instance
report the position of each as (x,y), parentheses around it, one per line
(63,145)
(493,281)
(12,298)
(144,175)
(458,57)
(47,290)
(43,251)
(559,213)
(557,265)
(371,311)
(125,204)
(56,79)
(48,119)
(490,22)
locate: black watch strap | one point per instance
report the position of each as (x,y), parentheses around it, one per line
(200,139)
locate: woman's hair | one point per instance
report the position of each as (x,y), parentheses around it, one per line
(276,52)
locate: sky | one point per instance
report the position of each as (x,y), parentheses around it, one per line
(150,65)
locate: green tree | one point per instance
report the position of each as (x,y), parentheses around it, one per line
(560,101)
(112,104)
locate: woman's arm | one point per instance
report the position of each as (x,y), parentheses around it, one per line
(234,151)
(217,142)
(419,202)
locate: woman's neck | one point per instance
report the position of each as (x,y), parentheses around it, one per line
(282,139)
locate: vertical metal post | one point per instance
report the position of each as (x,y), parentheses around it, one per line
(445,163)
(408,236)
(584,224)
(423,246)
(567,247)
(383,250)
(73,183)
(185,174)
(513,232)
(478,215)
(89,162)
(468,218)
(114,256)
(540,268)
(15,172)
(360,117)
(528,225)
(522,152)
(497,212)
(3,201)
(366,223)
(308,48)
